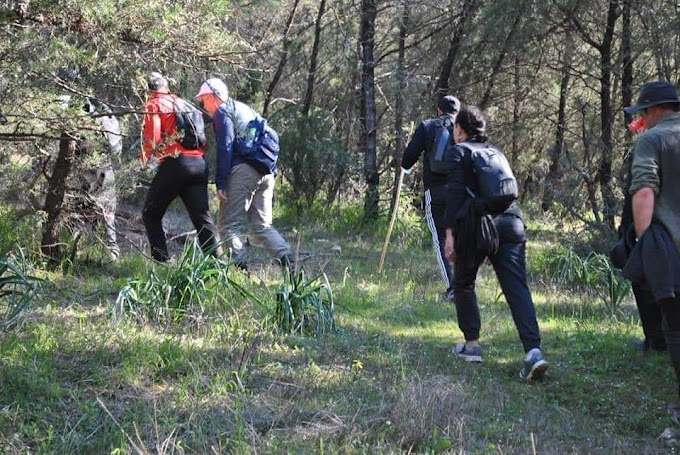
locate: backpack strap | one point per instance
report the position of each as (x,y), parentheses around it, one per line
(469,168)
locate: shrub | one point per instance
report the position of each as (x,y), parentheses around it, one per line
(312,159)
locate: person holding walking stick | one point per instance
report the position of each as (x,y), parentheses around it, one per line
(431,136)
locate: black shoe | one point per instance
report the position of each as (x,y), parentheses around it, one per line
(288,263)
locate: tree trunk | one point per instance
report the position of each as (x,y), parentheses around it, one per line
(399,103)
(352,107)
(50,245)
(307,104)
(591,184)
(627,64)
(607,117)
(282,62)
(368,109)
(519,90)
(556,150)
(470,10)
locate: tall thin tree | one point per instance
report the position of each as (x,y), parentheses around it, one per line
(369,12)
(311,75)
(399,102)
(285,49)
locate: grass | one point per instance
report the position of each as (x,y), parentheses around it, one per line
(226,381)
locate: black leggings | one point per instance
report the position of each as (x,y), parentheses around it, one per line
(186,177)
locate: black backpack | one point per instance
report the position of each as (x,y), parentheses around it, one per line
(493,180)
(443,138)
(190,125)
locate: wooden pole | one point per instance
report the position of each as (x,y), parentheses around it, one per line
(392,220)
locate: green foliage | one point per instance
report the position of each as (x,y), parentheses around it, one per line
(169,292)
(305,305)
(312,158)
(593,274)
(17,289)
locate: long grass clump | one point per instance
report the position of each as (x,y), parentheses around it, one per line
(169,292)
(17,289)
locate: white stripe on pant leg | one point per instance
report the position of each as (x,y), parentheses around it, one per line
(435,238)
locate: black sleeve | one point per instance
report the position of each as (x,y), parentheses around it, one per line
(415,147)
(456,184)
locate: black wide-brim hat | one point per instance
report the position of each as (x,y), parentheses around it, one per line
(653,93)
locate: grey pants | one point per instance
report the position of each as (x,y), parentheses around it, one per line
(107,202)
(249,202)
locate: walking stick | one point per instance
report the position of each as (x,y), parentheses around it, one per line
(402,171)
(392,220)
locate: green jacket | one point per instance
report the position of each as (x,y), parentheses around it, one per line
(656,165)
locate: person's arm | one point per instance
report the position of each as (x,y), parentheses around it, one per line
(151,132)
(449,250)
(455,198)
(643,209)
(644,182)
(415,147)
(456,194)
(224,143)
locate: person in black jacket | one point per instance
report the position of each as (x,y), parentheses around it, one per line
(422,143)
(508,256)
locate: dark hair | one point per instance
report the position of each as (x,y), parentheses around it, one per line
(448,104)
(472,121)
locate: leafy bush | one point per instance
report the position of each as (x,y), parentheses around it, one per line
(312,159)
(17,290)
(305,306)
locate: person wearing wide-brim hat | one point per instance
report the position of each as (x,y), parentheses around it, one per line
(655,190)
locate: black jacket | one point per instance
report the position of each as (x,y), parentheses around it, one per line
(654,260)
(421,144)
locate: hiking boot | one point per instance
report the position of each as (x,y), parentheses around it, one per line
(468,353)
(535,365)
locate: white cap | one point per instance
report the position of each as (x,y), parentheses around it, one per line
(156,81)
(216,87)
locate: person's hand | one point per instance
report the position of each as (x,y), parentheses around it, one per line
(449,251)
(222,195)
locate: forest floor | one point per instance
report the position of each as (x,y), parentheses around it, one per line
(74,380)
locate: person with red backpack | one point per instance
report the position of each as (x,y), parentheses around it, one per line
(182,171)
